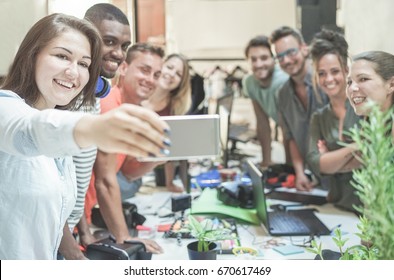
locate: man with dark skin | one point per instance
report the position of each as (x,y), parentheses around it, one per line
(114,29)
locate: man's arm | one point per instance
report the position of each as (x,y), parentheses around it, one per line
(108,195)
(302,181)
(69,247)
(85,236)
(134,169)
(109,199)
(263,130)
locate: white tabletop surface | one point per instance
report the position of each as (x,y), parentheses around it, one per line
(251,236)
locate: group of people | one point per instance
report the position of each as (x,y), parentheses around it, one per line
(63,143)
(63,149)
(316,98)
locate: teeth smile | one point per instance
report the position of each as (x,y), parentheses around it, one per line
(65,84)
(358,100)
(112,63)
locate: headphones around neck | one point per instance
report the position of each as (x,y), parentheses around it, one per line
(102,87)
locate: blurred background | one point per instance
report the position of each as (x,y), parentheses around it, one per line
(214,32)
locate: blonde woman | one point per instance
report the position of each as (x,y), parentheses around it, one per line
(172,97)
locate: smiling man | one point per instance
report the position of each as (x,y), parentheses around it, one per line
(296,99)
(262,87)
(114,29)
(138,77)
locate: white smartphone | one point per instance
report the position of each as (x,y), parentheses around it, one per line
(192,137)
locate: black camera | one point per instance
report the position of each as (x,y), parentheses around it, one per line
(236,194)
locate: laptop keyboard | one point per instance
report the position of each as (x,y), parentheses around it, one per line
(286,223)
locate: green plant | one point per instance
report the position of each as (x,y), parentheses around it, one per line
(374,183)
(365,251)
(375,180)
(206,232)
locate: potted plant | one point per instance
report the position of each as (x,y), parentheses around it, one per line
(206,233)
(374,183)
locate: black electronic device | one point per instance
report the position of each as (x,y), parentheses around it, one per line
(108,249)
(132,217)
(236,194)
(181,202)
(283,223)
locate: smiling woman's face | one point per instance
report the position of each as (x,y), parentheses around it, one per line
(171,74)
(62,69)
(365,85)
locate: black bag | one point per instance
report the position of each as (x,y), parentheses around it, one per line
(108,249)
(132,217)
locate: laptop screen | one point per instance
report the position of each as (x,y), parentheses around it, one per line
(223,109)
(258,192)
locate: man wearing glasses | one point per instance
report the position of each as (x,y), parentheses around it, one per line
(262,87)
(296,99)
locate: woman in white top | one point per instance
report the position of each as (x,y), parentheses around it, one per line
(58,60)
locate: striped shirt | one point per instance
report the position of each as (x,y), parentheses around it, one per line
(83,166)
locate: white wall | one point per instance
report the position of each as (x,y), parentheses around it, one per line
(16,18)
(216,28)
(212,28)
(369,25)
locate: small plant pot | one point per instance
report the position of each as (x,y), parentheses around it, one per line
(195,255)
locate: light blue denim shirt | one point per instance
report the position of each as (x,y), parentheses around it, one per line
(37,177)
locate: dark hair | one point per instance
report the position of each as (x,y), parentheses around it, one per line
(258,41)
(102,11)
(329,42)
(284,31)
(383,64)
(144,48)
(181,96)
(21,77)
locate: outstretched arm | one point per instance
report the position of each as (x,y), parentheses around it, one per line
(128,129)
(263,130)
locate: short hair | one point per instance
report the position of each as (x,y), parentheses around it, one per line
(284,31)
(103,11)
(258,41)
(142,48)
(21,76)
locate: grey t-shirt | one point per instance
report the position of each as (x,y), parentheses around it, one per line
(266,97)
(294,119)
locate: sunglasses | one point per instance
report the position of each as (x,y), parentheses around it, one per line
(290,53)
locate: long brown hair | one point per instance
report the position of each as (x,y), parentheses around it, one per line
(181,96)
(21,77)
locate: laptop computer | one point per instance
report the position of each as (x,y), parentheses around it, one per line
(282,222)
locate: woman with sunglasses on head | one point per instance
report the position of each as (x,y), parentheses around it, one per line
(57,62)
(328,159)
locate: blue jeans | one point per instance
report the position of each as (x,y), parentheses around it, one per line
(128,188)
